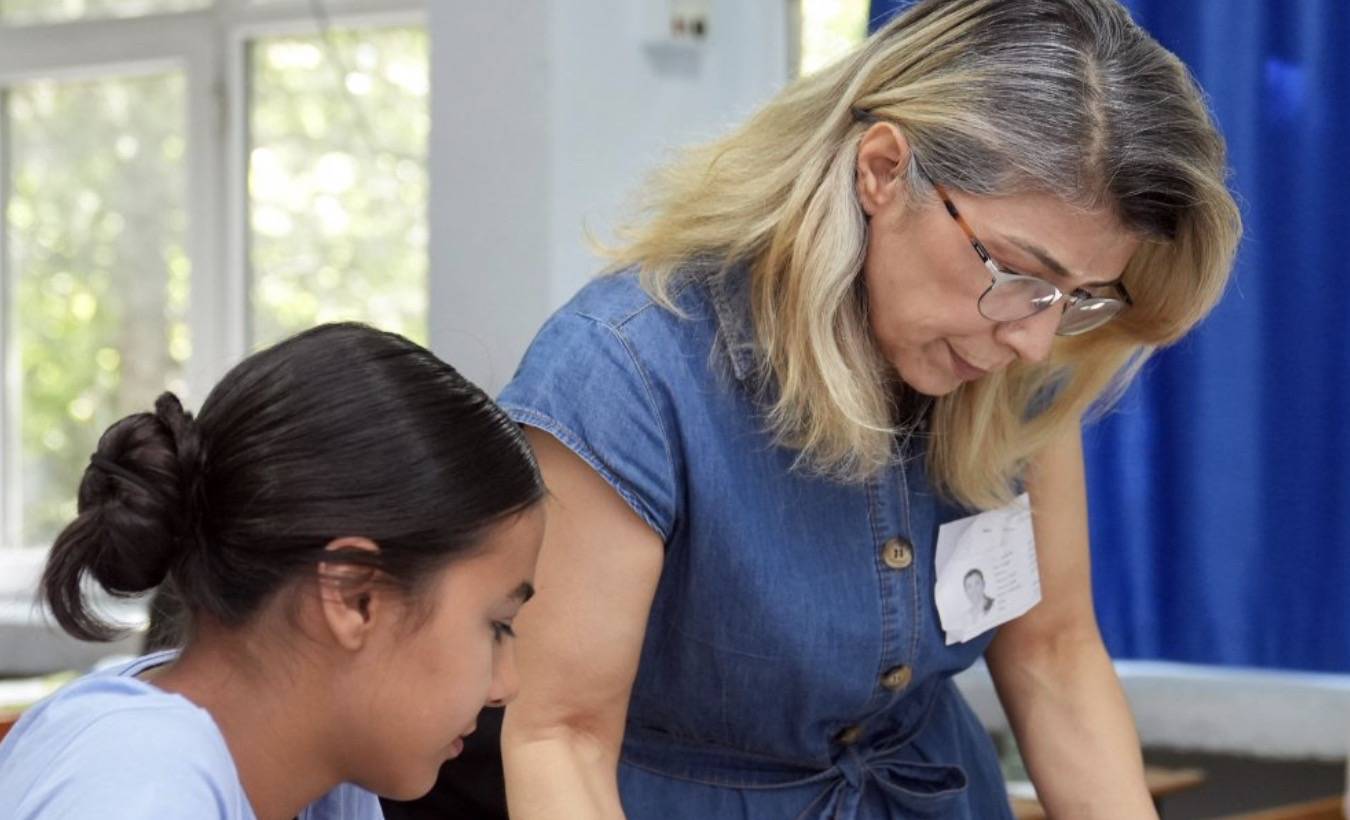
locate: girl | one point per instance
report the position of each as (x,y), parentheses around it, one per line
(352,527)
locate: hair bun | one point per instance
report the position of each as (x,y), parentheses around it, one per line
(135,496)
(191,455)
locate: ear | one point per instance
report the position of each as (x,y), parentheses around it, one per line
(348,595)
(883,153)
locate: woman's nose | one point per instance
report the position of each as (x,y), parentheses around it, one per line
(1031,338)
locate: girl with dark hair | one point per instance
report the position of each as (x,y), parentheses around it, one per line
(352,527)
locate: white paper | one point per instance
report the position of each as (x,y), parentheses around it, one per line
(986,570)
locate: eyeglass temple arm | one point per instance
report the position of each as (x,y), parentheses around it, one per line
(969,232)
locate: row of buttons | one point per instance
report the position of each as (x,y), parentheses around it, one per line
(897,553)
(895,680)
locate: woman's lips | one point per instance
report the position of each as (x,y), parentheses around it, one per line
(965,371)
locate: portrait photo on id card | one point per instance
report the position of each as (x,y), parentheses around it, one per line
(986,570)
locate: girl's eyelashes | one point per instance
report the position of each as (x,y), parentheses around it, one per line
(501,630)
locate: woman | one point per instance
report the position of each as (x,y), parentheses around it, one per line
(351,527)
(883,303)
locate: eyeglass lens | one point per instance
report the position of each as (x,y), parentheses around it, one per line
(1014,299)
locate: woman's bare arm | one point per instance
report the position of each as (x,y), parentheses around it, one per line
(578,645)
(1051,669)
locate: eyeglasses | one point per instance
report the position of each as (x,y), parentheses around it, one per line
(1015,296)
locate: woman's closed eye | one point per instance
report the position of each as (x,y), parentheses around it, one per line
(1006,268)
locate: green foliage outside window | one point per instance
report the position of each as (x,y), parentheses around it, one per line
(830,28)
(337,181)
(95,230)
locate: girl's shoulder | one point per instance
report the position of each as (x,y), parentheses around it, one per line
(114,705)
(112,745)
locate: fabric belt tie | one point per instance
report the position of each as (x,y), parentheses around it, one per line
(910,788)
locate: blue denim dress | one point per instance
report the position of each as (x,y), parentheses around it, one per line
(793,664)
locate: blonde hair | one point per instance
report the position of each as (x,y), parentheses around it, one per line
(1067,97)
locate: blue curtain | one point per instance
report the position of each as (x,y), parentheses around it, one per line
(1220,487)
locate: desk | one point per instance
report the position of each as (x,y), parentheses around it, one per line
(1328,808)
(7,721)
(1161,783)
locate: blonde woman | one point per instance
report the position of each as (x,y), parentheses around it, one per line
(883,304)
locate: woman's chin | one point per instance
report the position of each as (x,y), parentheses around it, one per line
(926,380)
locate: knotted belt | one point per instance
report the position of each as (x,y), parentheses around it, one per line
(830,791)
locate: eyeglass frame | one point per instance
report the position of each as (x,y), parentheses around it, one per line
(1002,275)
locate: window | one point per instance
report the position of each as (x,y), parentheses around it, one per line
(182,182)
(95,230)
(28,12)
(829,29)
(337,181)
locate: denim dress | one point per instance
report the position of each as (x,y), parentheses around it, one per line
(793,664)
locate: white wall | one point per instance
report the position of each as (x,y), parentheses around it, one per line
(545,117)
(490,171)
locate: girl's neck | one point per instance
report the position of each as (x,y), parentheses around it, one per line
(272,723)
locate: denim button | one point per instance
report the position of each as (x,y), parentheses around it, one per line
(898,553)
(897,678)
(849,736)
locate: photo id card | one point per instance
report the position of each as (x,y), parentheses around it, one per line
(986,570)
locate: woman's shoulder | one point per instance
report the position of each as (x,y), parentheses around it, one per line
(613,337)
(620,302)
(608,375)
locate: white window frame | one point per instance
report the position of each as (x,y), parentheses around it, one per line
(210,46)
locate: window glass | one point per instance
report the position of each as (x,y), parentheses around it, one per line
(337,181)
(27,12)
(99,272)
(829,29)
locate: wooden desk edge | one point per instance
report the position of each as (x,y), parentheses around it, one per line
(1161,783)
(7,720)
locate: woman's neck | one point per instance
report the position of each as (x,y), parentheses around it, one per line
(274,726)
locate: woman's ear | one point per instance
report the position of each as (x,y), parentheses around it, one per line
(348,595)
(883,154)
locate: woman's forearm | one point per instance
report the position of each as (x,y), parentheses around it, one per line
(559,773)
(1075,732)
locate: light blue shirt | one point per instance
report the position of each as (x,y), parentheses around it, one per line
(114,747)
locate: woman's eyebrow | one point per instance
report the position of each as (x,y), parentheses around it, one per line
(1045,258)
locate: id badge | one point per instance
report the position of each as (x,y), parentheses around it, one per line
(986,570)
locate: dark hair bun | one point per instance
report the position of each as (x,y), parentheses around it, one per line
(137,510)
